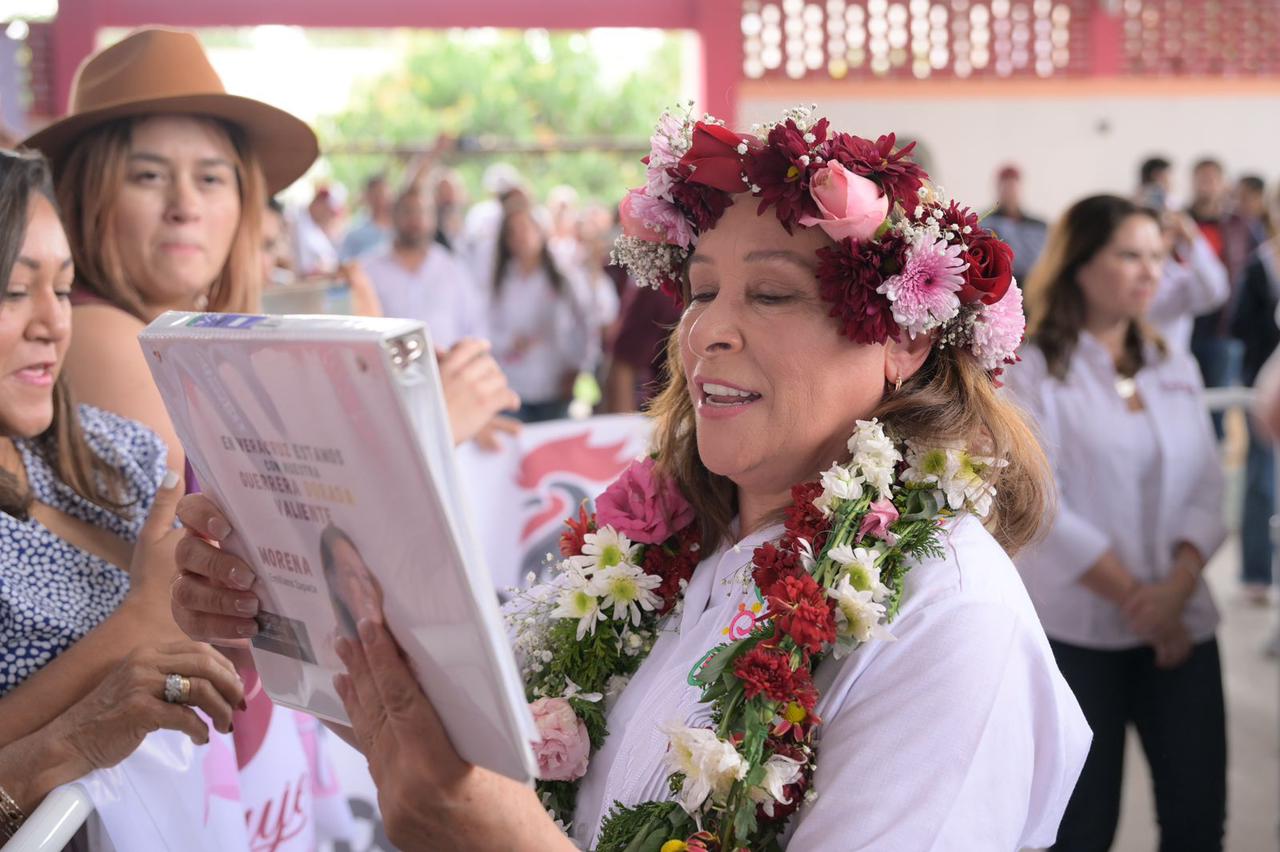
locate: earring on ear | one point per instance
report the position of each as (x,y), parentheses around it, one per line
(897,384)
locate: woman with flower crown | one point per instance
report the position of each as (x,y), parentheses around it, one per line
(796,623)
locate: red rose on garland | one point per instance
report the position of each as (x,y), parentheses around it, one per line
(713,158)
(990,269)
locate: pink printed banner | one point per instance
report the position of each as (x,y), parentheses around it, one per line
(272,789)
(519,497)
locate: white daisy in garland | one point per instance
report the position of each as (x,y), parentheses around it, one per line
(961,476)
(858,617)
(577,600)
(605,548)
(875,455)
(627,588)
(862,570)
(840,482)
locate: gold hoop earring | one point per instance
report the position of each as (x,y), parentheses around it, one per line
(897,385)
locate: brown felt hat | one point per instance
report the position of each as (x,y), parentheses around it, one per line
(158,71)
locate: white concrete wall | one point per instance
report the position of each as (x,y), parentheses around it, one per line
(1069,140)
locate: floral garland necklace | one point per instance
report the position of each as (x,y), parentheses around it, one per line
(832,581)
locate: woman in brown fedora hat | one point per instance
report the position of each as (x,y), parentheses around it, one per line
(163,178)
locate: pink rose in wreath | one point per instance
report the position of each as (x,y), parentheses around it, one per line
(563,750)
(644,505)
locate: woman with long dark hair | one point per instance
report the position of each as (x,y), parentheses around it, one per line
(86,537)
(1117,579)
(538,319)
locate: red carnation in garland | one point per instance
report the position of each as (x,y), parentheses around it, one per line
(572,539)
(898,176)
(848,274)
(766,669)
(801,610)
(704,205)
(673,567)
(713,158)
(769,565)
(802,518)
(781,170)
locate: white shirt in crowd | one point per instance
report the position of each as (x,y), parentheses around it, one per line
(1187,290)
(541,336)
(600,294)
(314,253)
(1134,482)
(959,735)
(440,292)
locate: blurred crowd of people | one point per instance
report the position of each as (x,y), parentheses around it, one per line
(533,276)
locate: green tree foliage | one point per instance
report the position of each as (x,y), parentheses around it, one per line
(511,86)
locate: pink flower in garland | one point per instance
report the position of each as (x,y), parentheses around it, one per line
(667,146)
(924,293)
(654,220)
(564,746)
(644,505)
(998,330)
(881,515)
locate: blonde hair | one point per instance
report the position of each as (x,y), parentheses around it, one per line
(949,401)
(90,181)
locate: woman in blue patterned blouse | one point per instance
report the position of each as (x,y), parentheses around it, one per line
(84,572)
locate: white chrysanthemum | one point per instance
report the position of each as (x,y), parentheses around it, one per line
(861,569)
(875,455)
(578,601)
(960,476)
(627,588)
(779,771)
(604,548)
(709,764)
(838,483)
(858,617)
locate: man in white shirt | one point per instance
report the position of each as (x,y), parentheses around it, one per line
(313,246)
(419,279)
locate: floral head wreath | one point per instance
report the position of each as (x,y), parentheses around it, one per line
(903,259)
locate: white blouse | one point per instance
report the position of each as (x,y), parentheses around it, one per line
(1137,483)
(540,336)
(1188,288)
(959,735)
(440,293)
